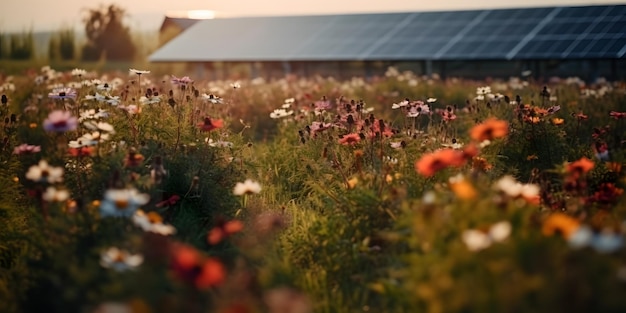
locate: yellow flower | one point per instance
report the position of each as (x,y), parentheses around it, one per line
(558,121)
(388,178)
(352,182)
(560,222)
(462,188)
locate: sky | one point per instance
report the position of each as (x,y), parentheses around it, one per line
(48,15)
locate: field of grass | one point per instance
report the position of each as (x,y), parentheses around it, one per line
(128,191)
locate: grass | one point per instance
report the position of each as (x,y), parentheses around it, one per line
(444,212)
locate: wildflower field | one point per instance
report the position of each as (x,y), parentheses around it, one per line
(141,192)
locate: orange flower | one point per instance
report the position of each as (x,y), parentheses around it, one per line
(558,121)
(582,166)
(560,222)
(470,151)
(480,164)
(350,139)
(614,167)
(433,162)
(489,130)
(462,188)
(224,229)
(209,124)
(212,274)
(190,266)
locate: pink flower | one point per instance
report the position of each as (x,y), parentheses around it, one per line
(26,149)
(181,80)
(617,115)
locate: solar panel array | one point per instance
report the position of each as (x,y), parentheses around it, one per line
(591,32)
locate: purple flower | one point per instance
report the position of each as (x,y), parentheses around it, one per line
(60,121)
(62,93)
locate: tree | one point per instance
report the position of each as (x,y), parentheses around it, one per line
(53,49)
(66,44)
(62,45)
(21,47)
(3,46)
(106,34)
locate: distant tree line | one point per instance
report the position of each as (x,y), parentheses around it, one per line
(107,38)
(17,46)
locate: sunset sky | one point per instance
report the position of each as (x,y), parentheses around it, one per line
(45,15)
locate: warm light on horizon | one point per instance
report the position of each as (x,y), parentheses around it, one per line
(192,14)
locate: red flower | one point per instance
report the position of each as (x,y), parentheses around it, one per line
(82,151)
(201,272)
(617,115)
(224,229)
(606,194)
(209,124)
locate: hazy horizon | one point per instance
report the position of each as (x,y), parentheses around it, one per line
(42,16)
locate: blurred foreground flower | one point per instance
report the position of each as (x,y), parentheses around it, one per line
(193,268)
(152,222)
(45,173)
(514,189)
(489,129)
(581,236)
(433,162)
(223,229)
(55,195)
(26,149)
(477,240)
(60,121)
(120,260)
(246,188)
(462,188)
(580,167)
(122,202)
(287,300)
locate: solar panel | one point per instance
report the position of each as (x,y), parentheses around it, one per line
(615,47)
(521,33)
(581,12)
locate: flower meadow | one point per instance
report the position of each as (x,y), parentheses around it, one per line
(145,192)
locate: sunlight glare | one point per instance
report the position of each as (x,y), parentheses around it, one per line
(193,14)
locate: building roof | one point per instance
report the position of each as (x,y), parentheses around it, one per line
(589,32)
(182,22)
